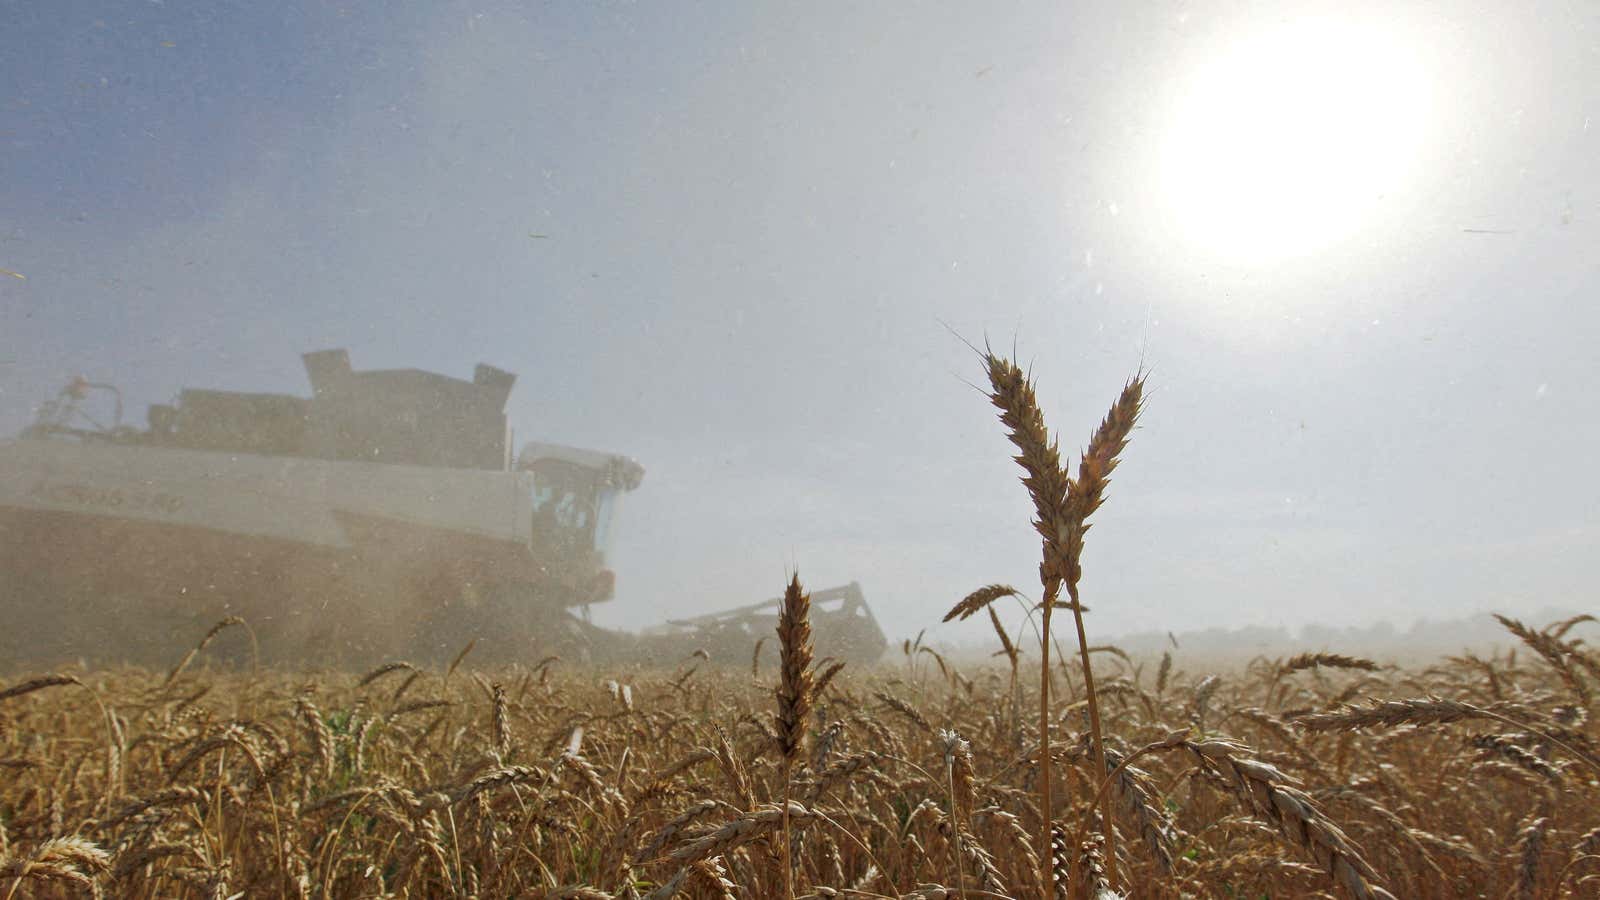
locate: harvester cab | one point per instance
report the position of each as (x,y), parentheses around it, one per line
(71,414)
(574,498)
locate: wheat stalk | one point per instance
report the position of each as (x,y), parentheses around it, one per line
(1040,458)
(195,651)
(794,694)
(1084,495)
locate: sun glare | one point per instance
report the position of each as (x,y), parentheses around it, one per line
(1288,141)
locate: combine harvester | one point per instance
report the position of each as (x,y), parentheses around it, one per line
(383,517)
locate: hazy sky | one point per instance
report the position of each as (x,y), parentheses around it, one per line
(761,220)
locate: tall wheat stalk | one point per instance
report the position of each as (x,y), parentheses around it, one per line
(1012,393)
(1084,496)
(1062,507)
(796,687)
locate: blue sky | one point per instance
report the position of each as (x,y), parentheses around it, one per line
(760,223)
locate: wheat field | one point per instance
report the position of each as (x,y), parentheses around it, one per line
(1084,774)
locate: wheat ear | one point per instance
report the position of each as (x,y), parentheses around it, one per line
(794,694)
(1040,458)
(1269,794)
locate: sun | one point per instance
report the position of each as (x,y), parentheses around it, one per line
(1288,141)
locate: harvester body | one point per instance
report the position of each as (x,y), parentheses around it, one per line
(384,516)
